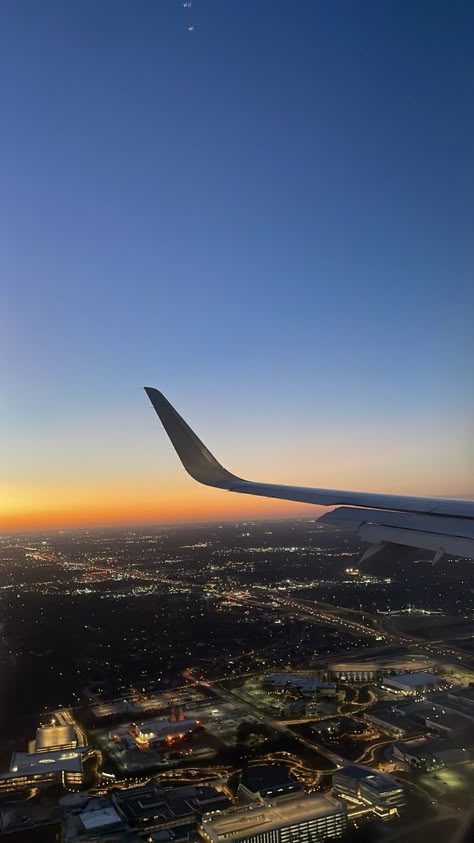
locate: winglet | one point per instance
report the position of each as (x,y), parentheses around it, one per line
(197,460)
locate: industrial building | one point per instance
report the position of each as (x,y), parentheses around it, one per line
(415,718)
(463,695)
(298,819)
(179,809)
(266,781)
(148,812)
(46,768)
(100,821)
(373,669)
(85,817)
(354,671)
(412,683)
(429,755)
(395,720)
(308,686)
(447,721)
(141,705)
(153,734)
(361,786)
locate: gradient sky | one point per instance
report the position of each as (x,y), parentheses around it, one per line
(270,218)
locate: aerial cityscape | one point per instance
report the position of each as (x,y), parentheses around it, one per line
(237,463)
(225,680)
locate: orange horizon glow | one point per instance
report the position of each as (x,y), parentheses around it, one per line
(101,483)
(110,508)
(157,514)
(304,303)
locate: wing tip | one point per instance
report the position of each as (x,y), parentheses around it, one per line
(157,398)
(150,390)
(195,457)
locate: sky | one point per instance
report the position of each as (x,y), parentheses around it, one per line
(265,210)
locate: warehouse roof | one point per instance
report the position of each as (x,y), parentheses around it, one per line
(266,778)
(413,680)
(102,818)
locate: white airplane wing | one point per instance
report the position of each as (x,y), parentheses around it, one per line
(442,525)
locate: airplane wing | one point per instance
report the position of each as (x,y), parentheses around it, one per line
(441,525)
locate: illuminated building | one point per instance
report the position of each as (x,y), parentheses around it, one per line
(364,787)
(395,720)
(46,768)
(154,734)
(354,671)
(52,738)
(309,817)
(308,686)
(374,669)
(411,683)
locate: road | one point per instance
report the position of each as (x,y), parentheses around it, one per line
(379,629)
(368,755)
(318,611)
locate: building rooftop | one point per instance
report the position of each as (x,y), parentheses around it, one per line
(162,836)
(381,782)
(294,680)
(394,718)
(448,720)
(353,667)
(427,748)
(48,737)
(354,771)
(30,763)
(402,661)
(376,780)
(413,680)
(258,819)
(463,693)
(453,755)
(102,818)
(268,777)
(138,803)
(418,749)
(166,727)
(158,728)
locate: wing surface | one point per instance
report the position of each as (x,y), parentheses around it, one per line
(447,528)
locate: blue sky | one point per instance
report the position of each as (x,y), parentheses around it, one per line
(269,217)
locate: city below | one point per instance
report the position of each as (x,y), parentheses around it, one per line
(243,681)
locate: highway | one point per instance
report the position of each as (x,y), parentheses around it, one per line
(318,611)
(337,616)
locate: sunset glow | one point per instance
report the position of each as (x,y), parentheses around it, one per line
(254,217)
